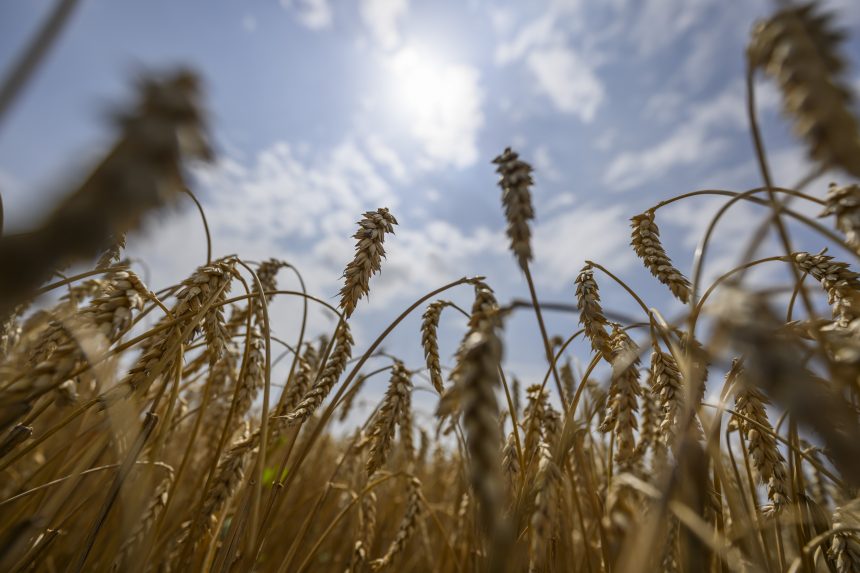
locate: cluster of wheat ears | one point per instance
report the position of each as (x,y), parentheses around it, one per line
(139,430)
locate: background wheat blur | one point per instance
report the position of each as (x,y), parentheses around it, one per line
(142,430)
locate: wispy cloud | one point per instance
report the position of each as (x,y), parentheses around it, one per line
(657,24)
(562,73)
(313,14)
(568,81)
(701,138)
(382,18)
(570,236)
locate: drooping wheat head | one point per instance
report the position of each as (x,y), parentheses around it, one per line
(648,247)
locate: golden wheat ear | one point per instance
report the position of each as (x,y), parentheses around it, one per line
(369,253)
(397,399)
(515,179)
(844,203)
(648,247)
(591,313)
(430,341)
(799,48)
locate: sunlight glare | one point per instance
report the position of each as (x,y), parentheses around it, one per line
(437,100)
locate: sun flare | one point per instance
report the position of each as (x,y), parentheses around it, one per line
(436,100)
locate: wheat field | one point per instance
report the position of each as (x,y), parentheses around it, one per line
(141,430)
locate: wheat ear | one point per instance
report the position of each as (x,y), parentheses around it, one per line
(515,179)
(799,48)
(648,247)
(369,253)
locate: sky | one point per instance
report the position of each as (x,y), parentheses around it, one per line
(323,109)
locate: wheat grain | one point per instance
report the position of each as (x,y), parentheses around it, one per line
(510,459)
(111,255)
(367,529)
(198,291)
(667,386)
(844,550)
(227,478)
(253,375)
(542,516)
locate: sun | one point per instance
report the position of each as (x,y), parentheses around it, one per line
(435,100)
(420,85)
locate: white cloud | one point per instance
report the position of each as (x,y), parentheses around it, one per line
(545,164)
(539,32)
(435,253)
(502,19)
(606,140)
(562,73)
(660,22)
(249,23)
(313,14)
(689,144)
(568,80)
(385,155)
(664,106)
(382,17)
(563,242)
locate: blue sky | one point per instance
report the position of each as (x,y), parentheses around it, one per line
(322,109)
